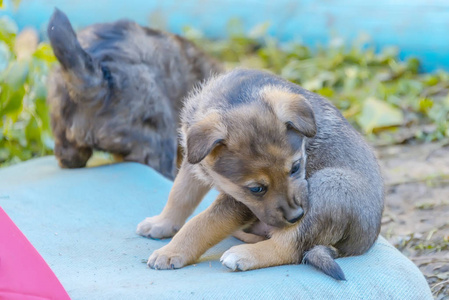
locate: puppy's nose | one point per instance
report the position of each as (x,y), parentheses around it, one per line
(295,216)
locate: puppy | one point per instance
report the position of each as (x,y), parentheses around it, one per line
(277,154)
(118,88)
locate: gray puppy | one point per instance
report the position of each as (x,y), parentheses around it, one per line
(118,89)
(279,155)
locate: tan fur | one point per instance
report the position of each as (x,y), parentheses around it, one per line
(282,101)
(118,158)
(248,237)
(276,251)
(184,197)
(289,107)
(249,134)
(233,150)
(211,226)
(204,135)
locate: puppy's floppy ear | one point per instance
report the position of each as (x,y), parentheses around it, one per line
(203,137)
(292,109)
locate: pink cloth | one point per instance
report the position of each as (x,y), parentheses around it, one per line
(24,274)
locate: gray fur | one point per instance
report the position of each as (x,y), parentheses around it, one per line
(322,258)
(118,88)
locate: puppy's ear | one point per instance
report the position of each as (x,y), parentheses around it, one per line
(203,137)
(82,75)
(293,110)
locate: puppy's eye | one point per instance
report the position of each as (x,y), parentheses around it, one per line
(295,168)
(258,190)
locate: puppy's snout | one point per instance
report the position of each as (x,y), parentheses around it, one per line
(294,216)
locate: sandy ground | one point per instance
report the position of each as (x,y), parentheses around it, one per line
(416,216)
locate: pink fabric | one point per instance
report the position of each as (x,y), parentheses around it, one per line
(23,272)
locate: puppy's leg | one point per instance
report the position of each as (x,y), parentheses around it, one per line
(280,249)
(250,238)
(257,232)
(184,197)
(208,228)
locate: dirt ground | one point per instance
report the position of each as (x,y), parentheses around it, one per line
(416,216)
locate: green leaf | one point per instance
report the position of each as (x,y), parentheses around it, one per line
(377,114)
(32,132)
(425,104)
(259,31)
(235,27)
(326,92)
(8,31)
(4,153)
(43,113)
(5,55)
(45,53)
(15,75)
(11,101)
(413,65)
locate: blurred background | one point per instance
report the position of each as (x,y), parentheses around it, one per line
(383,63)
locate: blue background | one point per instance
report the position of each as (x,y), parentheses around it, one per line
(419,27)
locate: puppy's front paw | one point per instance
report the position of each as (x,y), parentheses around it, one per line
(157,227)
(165,259)
(239,258)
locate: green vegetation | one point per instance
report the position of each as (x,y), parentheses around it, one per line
(24,118)
(383,97)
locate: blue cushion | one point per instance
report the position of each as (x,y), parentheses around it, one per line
(83,223)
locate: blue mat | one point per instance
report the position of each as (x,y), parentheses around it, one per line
(83,223)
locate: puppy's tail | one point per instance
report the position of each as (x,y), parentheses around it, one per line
(322,258)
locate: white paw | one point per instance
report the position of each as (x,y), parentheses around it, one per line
(157,227)
(239,258)
(165,259)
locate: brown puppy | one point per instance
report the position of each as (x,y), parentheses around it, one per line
(118,88)
(279,155)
